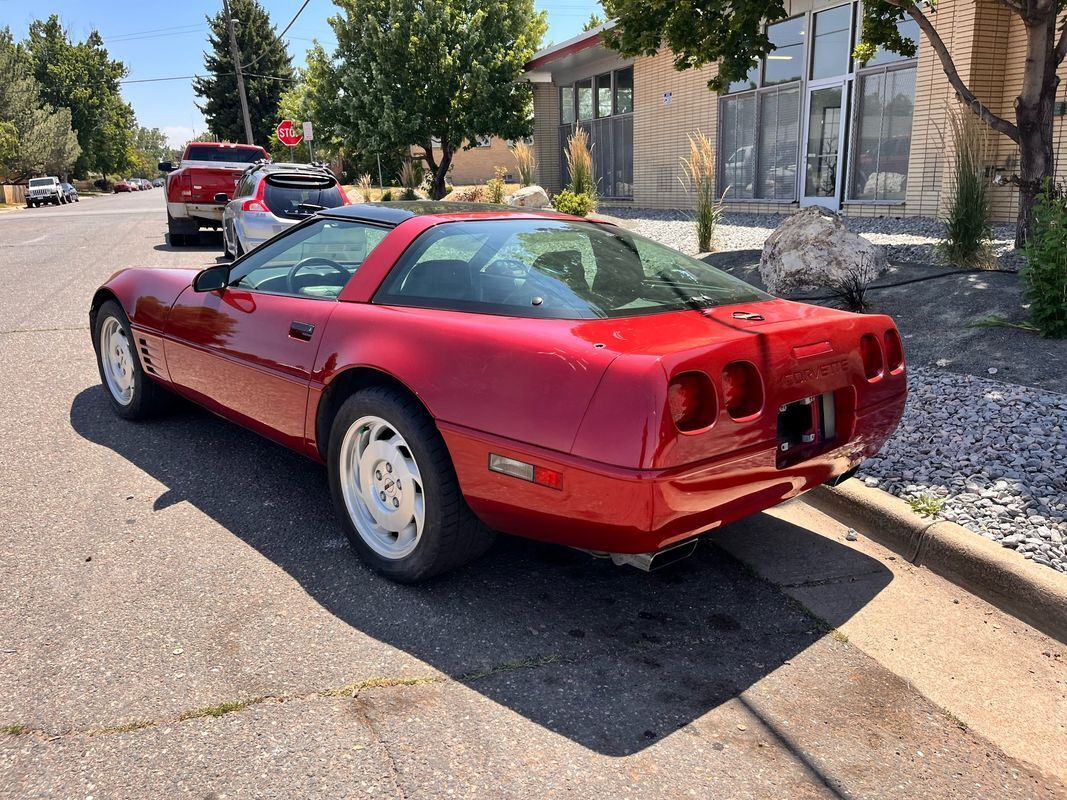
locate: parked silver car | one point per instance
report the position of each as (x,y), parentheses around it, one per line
(269,198)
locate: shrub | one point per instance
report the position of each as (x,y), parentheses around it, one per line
(387,195)
(967,233)
(526,161)
(577,203)
(495,190)
(580,165)
(850,288)
(698,178)
(1045,274)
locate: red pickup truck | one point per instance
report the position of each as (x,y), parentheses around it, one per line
(207,169)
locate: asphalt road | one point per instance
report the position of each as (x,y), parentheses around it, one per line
(181,616)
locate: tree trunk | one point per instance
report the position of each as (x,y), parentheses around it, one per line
(1033,116)
(437,186)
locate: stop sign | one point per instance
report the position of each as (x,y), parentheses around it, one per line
(289,134)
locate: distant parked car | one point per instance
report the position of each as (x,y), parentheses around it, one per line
(271,197)
(44,190)
(124,186)
(141,184)
(70,194)
(159,182)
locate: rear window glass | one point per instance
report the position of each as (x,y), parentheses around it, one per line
(555,269)
(211,152)
(289,199)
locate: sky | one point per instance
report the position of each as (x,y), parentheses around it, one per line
(156,40)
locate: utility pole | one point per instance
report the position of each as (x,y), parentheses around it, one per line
(235,54)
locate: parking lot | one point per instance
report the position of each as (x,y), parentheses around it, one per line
(182,616)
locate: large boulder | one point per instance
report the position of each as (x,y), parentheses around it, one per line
(814,250)
(529,197)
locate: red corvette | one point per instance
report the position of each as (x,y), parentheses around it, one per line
(466,369)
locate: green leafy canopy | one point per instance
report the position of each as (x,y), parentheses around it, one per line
(730,32)
(414,71)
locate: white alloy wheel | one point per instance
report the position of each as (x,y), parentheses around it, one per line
(382,487)
(116,356)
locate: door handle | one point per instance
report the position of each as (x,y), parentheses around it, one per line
(301,330)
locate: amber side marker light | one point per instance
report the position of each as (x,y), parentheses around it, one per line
(542,476)
(742,389)
(871,352)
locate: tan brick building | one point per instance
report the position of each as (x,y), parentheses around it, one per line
(809,126)
(479,163)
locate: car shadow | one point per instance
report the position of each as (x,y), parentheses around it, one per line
(618,658)
(206,242)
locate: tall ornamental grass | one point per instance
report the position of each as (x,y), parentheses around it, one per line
(526,162)
(698,178)
(580,165)
(966,222)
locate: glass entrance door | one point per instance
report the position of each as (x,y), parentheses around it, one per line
(824,145)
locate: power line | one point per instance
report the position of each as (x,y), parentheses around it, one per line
(190,77)
(280,35)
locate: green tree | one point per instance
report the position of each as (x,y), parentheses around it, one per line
(35,139)
(594,21)
(731,32)
(414,71)
(82,77)
(148,148)
(313,99)
(267,67)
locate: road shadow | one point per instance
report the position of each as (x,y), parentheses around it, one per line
(622,658)
(206,242)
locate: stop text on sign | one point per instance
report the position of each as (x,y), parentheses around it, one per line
(289,134)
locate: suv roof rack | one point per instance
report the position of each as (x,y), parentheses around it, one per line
(315,168)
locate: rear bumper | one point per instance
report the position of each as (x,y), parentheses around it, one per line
(254,229)
(617,510)
(197,211)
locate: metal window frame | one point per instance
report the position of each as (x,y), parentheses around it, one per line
(757,119)
(854,120)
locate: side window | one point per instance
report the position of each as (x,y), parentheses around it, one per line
(314,261)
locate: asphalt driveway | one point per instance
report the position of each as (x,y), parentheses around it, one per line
(181,616)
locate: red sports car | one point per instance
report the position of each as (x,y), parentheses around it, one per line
(464,369)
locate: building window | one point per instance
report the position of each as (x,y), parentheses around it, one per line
(584,90)
(908,29)
(624,91)
(603,95)
(737,130)
(785,62)
(831,42)
(566,105)
(885,104)
(779,134)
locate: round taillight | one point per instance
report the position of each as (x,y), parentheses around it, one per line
(894,351)
(691,398)
(742,389)
(871,353)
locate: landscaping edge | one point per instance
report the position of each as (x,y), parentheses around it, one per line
(1034,593)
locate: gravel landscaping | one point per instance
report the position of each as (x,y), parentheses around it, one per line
(905,239)
(988,455)
(995,454)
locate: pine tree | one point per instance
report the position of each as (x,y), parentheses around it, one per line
(268,72)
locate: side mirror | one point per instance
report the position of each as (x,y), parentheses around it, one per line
(222,197)
(165,166)
(212,279)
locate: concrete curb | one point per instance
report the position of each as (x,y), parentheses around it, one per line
(1033,593)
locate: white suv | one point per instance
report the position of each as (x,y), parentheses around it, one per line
(44,190)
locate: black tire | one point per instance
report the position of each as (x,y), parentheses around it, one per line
(451,534)
(148,397)
(181,232)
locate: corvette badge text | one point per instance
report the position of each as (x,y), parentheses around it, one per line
(811,373)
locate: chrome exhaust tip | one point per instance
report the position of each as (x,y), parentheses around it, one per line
(647,562)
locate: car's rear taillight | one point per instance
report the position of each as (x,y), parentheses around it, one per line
(691,398)
(894,351)
(742,390)
(256,204)
(871,352)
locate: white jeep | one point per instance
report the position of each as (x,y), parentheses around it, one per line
(44,190)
